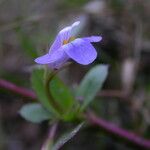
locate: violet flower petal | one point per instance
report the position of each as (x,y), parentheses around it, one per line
(64,34)
(81,51)
(59,57)
(93,38)
(59,62)
(45,59)
(51,58)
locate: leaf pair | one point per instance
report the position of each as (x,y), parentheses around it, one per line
(87,90)
(60,93)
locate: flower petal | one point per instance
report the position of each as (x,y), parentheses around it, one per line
(81,51)
(64,34)
(93,38)
(59,62)
(45,59)
(59,57)
(52,58)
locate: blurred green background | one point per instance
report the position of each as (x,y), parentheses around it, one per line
(27,29)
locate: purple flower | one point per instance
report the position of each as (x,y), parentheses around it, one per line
(66,47)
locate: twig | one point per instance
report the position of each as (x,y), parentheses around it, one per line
(112,93)
(28,93)
(16,89)
(118,132)
(107,126)
(50,138)
(52,131)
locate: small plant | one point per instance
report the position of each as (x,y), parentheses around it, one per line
(56,101)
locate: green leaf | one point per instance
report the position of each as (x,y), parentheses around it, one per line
(91,84)
(61,93)
(38,86)
(35,113)
(66,137)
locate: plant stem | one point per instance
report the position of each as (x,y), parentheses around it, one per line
(110,128)
(114,131)
(49,141)
(52,101)
(48,78)
(17,89)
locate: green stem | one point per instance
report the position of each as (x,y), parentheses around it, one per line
(52,101)
(48,78)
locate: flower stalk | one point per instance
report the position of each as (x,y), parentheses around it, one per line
(53,102)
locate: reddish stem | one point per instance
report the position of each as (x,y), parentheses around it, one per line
(50,138)
(105,125)
(112,93)
(118,132)
(16,89)
(28,93)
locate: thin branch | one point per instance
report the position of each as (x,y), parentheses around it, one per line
(112,93)
(110,128)
(118,132)
(47,144)
(28,93)
(53,131)
(16,89)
